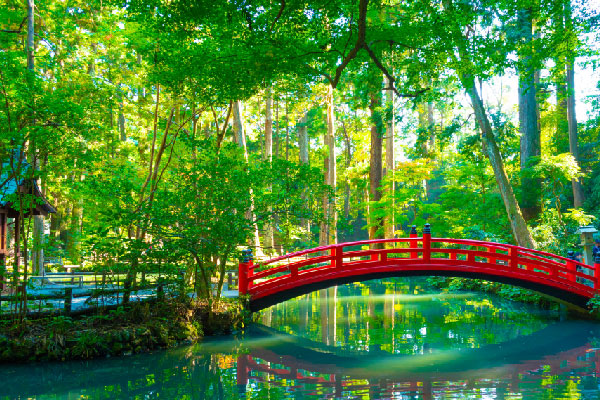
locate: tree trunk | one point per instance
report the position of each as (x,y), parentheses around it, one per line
(561,136)
(562,117)
(269,126)
(303,144)
(528,121)
(276,130)
(389,157)
(287,132)
(375,168)
(578,196)
(238,124)
(38,220)
(269,239)
(422,128)
(430,128)
(240,134)
(121,118)
(74,240)
(517,222)
(324,227)
(30,34)
(429,183)
(328,231)
(348,152)
(141,90)
(332,175)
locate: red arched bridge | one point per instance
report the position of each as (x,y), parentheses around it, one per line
(302,272)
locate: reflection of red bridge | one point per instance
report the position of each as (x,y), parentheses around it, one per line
(345,378)
(302,272)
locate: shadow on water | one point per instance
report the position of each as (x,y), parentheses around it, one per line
(455,346)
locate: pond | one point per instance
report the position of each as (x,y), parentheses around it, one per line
(392,339)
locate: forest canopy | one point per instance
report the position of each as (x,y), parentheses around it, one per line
(184,131)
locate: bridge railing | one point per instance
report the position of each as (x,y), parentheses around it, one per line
(419,251)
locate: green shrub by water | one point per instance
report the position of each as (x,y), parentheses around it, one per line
(124,331)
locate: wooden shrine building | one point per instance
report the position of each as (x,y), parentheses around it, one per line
(11,187)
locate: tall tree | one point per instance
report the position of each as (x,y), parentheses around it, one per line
(389,152)
(240,134)
(38,220)
(466,62)
(269,239)
(578,196)
(531,146)
(376,230)
(328,233)
(303,143)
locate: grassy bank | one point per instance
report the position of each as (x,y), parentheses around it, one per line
(123,331)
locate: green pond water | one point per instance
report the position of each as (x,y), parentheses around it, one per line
(393,339)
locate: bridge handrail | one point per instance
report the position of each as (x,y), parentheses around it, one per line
(337,245)
(469,242)
(508,246)
(560,270)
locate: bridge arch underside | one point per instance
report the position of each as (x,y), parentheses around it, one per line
(549,288)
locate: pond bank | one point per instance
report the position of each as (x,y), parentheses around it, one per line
(514,293)
(127,330)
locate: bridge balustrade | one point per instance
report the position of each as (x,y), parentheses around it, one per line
(419,255)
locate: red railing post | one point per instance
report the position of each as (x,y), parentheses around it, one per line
(294,272)
(242,278)
(413,243)
(374,257)
(245,271)
(337,253)
(571,266)
(514,261)
(427,242)
(596,273)
(491,258)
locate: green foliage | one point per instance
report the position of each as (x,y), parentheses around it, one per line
(213,206)
(510,292)
(594,304)
(60,324)
(121,113)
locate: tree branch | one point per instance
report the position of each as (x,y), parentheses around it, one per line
(391,79)
(360,42)
(221,134)
(15,31)
(278,14)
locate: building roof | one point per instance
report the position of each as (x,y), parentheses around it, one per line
(11,184)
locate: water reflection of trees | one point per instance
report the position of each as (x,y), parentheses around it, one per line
(556,362)
(553,361)
(399,316)
(544,366)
